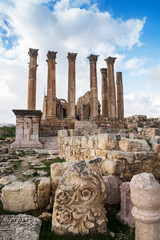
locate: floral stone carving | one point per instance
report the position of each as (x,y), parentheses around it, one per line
(78,202)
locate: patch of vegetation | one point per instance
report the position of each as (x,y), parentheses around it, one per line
(8,132)
(47,234)
(121,231)
(47,164)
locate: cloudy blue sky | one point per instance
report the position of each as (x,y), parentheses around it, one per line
(126,29)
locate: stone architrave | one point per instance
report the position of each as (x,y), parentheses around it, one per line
(71,84)
(93,86)
(120,101)
(51,86)
(112,113)
(125,215)
(104,92)
(145,195)
(78,202)
(27,128)
(19,227)
(33,53)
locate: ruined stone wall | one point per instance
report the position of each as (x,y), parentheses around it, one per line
(123,158)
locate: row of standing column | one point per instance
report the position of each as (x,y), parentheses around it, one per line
(108,86)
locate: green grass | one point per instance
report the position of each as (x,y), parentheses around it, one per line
(47,164)
(8,132)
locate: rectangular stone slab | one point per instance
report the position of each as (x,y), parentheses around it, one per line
(18,227)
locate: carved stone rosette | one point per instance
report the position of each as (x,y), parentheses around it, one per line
(78,202)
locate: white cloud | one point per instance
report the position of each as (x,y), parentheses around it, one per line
(142,103)
(66,28)
(154,74)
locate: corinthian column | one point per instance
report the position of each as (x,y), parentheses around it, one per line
(33,53)
(120,102)
(104,92)
(111,88)
(71,84)
(93,86)
(51,86)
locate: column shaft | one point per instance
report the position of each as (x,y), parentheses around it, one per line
(111,88)
(33,53)
(93,86)
(71,84)
(120,101)
(51,86)
(104,92)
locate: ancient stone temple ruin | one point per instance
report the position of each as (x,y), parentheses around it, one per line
(62,114)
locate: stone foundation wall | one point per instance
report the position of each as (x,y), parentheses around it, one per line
(123,158)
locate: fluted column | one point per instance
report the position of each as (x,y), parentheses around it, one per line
(120,101)
(93,86)
(51,86)
(33,53)
(71,84)
(111,88)
(104,92)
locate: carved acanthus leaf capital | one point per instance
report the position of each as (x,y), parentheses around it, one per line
(93,58)
(103,70)
(51,55)
(110,60)
(33,52)
(72,57)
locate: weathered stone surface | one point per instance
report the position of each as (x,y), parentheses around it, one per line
(151,132)
(44,189)
(107,141)
(125,215)
(112,184)
(108,167)
(134,145)
(145,195)
(121,156)
(57,170)
(45,216)
(19,196)
(7,179)
(18,227)
(78,201)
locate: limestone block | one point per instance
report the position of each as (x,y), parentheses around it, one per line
(145,195)
(84,142)
(74,132)
(108,167)
(92,142)
(62,133)
(134,145)
(19,227)
(78,202)
(57,170)
(19,196)
(102,153)
(44,189)
(125,215)
(107,141)
(112,184)
(121,156)
(151,132)
(7,179)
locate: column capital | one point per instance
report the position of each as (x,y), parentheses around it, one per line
(93,58)
(51,55)
(33,52)
(103,70)
(110,60)
(71,57)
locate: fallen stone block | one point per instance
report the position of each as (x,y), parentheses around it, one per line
(19,196)
(18,227)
